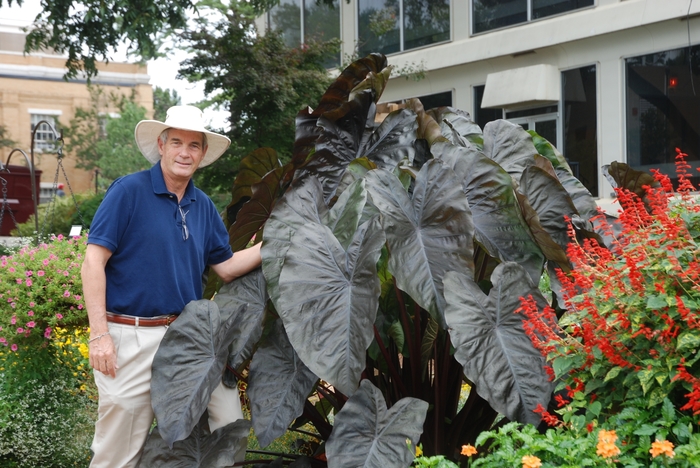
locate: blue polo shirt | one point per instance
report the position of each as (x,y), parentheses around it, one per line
(153,270)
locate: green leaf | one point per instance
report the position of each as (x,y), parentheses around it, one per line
(595,408)
(612,373)
(657,301)
(646,430)
(396,333)
(646,377)
(562,365)
(656,396)
(688,340)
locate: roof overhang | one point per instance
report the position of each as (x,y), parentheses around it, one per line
(522,87)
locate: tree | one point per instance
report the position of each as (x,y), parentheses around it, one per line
(103,140)
(164,99)
(88,31)
(260,81)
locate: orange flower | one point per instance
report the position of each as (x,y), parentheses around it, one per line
(468,450)
(662,447)
(606,444)
(531,461)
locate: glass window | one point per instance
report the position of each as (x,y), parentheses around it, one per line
(44,138)
(663,109)
(495,14)
(483,116)
(389,26)
(579,107)
(300,21)
(431,101)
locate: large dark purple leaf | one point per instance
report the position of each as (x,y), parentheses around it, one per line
(392,141)
(301,204)
(621,175)
(188,366)
(583,200)
(201,449)
(428,128)
(510,146)
(251,170)
(347,212)
(551,202)
(366,434)
(342,131)
(491,344)
(250,290)
(498,221)
(307,130)
(428,234)
(455,124)
(278,385)
(329,299)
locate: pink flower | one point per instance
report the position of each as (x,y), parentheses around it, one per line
(13,320)
(40,273)
(80,307)
(20,330)
(11,270)
(47,332)
(77,297)
(19,280)
(3,341)
(13,305)
(29,283)
(60,237)
(66,293)
(28,273)
(31,304)
(30,313)
(65,273)
(59,316)
(46,261)
(14,347)
(31,324)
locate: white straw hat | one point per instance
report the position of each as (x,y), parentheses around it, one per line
(184,118)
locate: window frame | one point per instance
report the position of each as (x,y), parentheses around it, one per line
(529,19)
(49,115)
(402,49)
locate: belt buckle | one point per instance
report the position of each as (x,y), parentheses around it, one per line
(169,319)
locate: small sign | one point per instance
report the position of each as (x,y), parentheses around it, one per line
(75,230)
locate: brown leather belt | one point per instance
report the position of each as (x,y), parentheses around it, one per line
(162,320)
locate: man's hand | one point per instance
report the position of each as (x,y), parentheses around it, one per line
(103,355)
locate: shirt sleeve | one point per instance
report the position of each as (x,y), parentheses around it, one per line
(220,250)
(112,217)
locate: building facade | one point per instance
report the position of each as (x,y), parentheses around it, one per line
(604,80)
(33,90)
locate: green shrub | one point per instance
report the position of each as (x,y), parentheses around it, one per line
(59,215)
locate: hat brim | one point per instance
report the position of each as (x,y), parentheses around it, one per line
(148,131)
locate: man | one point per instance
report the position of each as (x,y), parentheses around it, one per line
(149,243)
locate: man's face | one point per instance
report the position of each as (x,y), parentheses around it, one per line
(181,153)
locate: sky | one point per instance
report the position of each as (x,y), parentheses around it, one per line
(162,71)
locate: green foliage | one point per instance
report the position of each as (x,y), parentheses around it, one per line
(260,81)
(102,140)
(57,216)
(42,290)
(5,141)
(102,26)
(164,99)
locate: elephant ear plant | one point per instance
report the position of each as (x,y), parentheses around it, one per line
(394,258)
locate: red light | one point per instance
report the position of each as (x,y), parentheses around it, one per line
(672,82)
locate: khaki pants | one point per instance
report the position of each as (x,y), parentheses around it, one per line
(125,415)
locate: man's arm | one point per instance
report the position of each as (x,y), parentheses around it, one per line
(103,356)
(241,263)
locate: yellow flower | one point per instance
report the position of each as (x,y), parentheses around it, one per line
(468,450)
(662,447)
(419,451)
(606,444)
(531,461)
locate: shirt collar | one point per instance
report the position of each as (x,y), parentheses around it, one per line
(159,188)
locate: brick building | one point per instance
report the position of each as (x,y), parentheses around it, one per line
(32,89)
